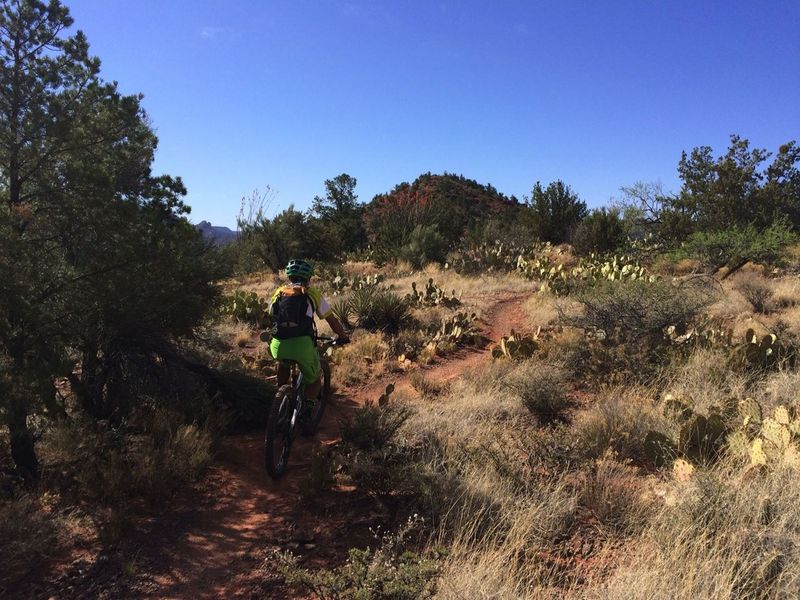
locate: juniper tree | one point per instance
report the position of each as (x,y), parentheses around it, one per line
(91,243)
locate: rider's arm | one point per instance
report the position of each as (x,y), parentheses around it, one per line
(336,326)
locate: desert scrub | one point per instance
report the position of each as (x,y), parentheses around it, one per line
(30,532)
(704,380)
(392,571)
(363,358)
(618,422)
(95,462)
(542,388)
(748,528)
(757,291)
(638,311)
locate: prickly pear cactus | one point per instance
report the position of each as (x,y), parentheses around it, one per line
(764,353)
(777,440)
(516,346)
(433,295)
(676,409)
(701,438)
(659,448)
(750,412)
(383,400)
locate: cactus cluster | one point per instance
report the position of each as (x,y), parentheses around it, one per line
(556,277)
(248,307)
(738,425)
(433,295)
(706,334)
(499,256)
(778,439)
(762,353)
(516,346)
(339,284)
(456,330)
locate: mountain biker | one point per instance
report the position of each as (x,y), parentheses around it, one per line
(293,331)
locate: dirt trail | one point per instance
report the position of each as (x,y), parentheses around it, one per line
(213,549)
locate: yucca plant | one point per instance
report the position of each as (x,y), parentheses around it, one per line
(342,309)
(377,308)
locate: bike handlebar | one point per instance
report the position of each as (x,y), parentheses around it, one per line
(335,341)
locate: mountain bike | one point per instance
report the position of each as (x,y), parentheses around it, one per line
(287,412)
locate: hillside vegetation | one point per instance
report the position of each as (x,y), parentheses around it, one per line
(587,404)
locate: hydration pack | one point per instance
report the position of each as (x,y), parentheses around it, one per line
(290,314)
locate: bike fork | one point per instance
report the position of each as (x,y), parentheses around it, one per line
(298,399)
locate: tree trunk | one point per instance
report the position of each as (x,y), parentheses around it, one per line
(23,451)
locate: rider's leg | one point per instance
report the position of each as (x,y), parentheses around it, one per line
(283,374)
(312,389)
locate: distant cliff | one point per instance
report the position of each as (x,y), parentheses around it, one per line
(219,235)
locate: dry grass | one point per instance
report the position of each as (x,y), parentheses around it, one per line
(615,494)
(242,335)
(704,381)
(426,387)
(363,358)
(542,309)
(720,536)
(30,531)
(618,422)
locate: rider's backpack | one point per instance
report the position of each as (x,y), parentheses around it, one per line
(290,314)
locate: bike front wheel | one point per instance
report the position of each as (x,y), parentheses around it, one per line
(278,438)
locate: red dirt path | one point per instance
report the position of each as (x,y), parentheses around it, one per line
(215,546)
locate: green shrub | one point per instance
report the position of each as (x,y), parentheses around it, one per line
(374,455)
(734,246)
(425,245)
(603,231)
(638,311)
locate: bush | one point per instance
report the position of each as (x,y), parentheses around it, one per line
(542,389)
(602,231)
(375,457)
(425,245)
(390,572)
(757,292)
(735,246)
(92,461)
(637,311)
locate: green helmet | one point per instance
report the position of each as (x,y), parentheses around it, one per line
(299,269)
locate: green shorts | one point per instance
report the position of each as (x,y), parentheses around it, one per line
(300,350)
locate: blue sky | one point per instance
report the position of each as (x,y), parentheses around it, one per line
(601,94)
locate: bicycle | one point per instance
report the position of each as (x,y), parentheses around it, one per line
(286,412)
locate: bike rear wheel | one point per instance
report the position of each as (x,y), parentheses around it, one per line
(311,423)
(278,438)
